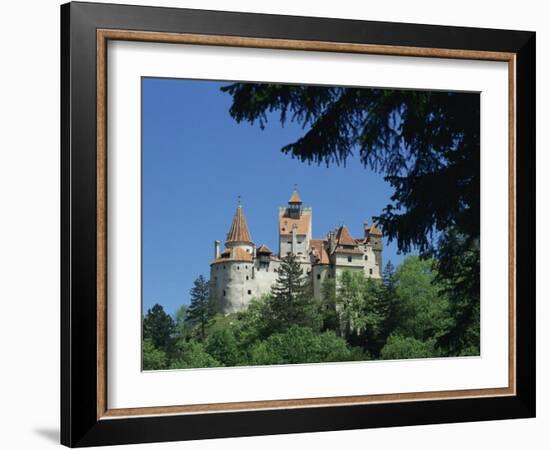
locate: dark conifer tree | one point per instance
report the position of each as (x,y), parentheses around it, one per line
(425,143)
(200,308)
(291,301)
(159,327)
(390,302)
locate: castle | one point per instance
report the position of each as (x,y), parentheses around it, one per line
(243,271)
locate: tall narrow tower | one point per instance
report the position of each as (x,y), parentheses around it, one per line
(232,271)
(375,238)
(295,228)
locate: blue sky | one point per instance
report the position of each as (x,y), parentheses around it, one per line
(196,162)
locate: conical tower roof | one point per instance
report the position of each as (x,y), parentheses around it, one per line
(264,249)
(295,198)
(239,229)
(344,237)
(375,230)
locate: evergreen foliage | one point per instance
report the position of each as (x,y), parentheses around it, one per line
(407,314)
(153,358)
(302,345)
(425,143)
(291,301)
(159,327)
(201,308)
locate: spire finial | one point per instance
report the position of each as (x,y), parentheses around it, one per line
(239,200)
(295,198)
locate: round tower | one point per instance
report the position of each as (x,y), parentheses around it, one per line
(232,271)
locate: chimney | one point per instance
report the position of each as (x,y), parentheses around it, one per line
(331,242)
(294,240)
(216,249)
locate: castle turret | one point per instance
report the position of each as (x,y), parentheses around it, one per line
(238,235)
(294,205)
(375,239)
(241,272)
(295,229)
(232,271)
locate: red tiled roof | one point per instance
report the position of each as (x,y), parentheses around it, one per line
(235,254)
(264,249)
(348,250)
(295,198)
(344,237)
(319,250)
(375,230)
(239,229)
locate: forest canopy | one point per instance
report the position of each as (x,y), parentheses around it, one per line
(425,143)
(401,316)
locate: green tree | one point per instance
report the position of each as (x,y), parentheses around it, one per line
(389,305)
(376,315)
(200,309)
(182,325)
(423,310)
(153,358)
(388,279)
(253,323)
(192,354)
(159,327)
(329,314)
(222,343)
(401,347)
(426,143)
(291,301)
(458,259)
(350,303)
(362,310)
(303,345)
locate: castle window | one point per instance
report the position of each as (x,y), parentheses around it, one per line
(366,257)
(299,242)
(247,277)
(249,292)
(224,293)
(318,276)
(370,271)
(349,258)
(238,268)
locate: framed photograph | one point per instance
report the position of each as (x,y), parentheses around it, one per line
(276,224)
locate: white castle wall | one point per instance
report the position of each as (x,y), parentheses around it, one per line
(318,274)
(235,283)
